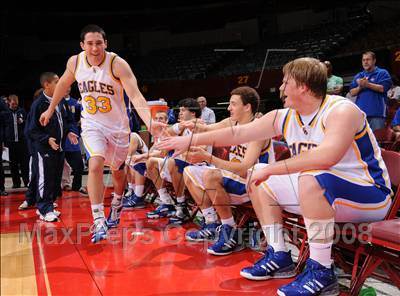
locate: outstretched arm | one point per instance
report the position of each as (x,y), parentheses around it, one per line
(264,128)
(123,71)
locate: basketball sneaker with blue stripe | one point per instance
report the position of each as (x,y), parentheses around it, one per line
(99,230)
(208,232)
(114,216)
(133,201)
(316,279)
(228,241)
(162,211)
(272,265)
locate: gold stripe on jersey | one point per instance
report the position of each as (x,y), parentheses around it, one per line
(362,132)
(77,64)
(363,164)
(265,150)
(99,65)
(286,122)
(116,79)
(364,208)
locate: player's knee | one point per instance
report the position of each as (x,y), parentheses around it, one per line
(212,177)
(309,187)
(171,165)
(96,165)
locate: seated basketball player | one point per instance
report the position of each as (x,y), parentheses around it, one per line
(336,174)
(136,163)
(171,169)
(216,188)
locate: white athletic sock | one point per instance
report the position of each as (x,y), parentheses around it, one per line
(274,236)
(98,211)
(321,253)
(210,215)
(181,199)
(321,232)
(230,221)
(164,196)
(139,190)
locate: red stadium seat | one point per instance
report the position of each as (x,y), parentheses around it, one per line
(385,137)
(381,237)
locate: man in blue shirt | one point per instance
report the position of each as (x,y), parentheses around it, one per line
(370,86)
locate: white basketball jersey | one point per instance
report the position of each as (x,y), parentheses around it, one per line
(102,94)
(362,163)
(237,153)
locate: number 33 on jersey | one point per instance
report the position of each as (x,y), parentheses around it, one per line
(102,93)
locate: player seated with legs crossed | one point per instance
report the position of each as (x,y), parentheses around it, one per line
(171,169)
(336,174)
(215,188)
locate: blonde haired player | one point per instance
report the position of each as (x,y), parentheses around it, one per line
(336,174)
(102,77)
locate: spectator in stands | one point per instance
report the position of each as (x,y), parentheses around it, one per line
(207,115)
(335,83)
(394,92)
(14,122)
(3,108)
(396,121)
(171,114)
(370,86)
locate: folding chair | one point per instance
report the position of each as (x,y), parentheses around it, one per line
(359,248)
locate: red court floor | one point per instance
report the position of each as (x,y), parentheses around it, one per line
(151,261)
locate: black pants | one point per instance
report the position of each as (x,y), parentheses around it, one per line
(30,194)
(74,159)
(49,166)
(2,188)
(19,161)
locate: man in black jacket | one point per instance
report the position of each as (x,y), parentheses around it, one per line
(14,138)
(48,144)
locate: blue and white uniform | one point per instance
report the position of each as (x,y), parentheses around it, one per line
(357,187)
(233,184)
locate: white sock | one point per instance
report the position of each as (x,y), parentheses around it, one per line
(139,190)
(210,215)
(164,196)
(321,253)
(131,186)
(230,221)
(274,236)
(181,199)
(98,212)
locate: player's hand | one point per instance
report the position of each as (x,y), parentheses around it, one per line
(195,125)
(256,177)
(179,144)
(157,128)
(45,117)
(53,144)
(73,138)
(197,155)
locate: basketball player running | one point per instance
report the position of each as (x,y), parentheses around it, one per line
(102,77)
(336,174)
